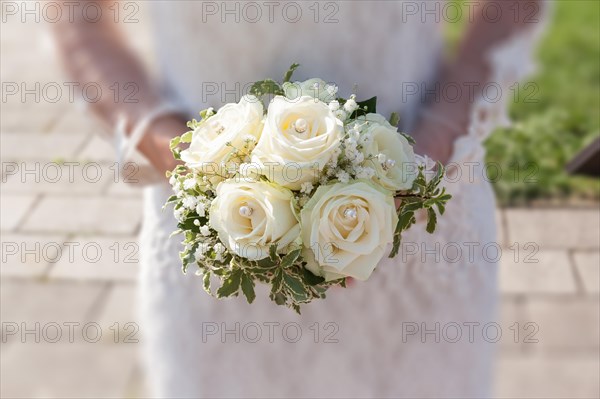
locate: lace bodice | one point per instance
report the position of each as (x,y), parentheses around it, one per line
(375,46)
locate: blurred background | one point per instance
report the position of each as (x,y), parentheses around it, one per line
(69,223)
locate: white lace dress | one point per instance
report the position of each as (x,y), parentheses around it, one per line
(366,344)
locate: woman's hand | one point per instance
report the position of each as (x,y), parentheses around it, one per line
(155,144)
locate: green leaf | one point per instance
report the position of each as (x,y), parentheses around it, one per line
(172,198)
(288,75)
(231,284)
(311,279)
(431,220)
(186,137)
(294,284)
(301,297)
(404,221)
(205,115)
(273,253)
(435,181)
(370,105)
(289,259)
(279,298)
(394,119)
(206,282)
(248,288)
(174,142)
(188,224)
(408,138)
(277,281)
(412,206)
(266,263)
(267,86)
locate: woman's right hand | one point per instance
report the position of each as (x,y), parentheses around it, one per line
(155,144)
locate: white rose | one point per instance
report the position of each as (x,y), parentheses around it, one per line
(234,124)
(346,228)
(377,118)
(298,140)
(251,216)
(315,88)
(392,155)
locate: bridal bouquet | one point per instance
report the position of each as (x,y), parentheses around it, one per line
(299,195)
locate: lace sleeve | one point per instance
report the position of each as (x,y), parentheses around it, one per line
(511,62)
(126,144)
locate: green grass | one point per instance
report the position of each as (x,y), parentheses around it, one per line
(564,118)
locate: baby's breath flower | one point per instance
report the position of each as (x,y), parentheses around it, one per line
(334,105)
(350,106)
(336,153)
(205,231)
(203,248)
(351,152)
(219,251)
(190,183)
(306,187)
(365,139)
(343,176)
(190,202)
(354,134)
(341,114)
(364,172)
(178,214)
(331,89)
(303,200)
(201,209)
(358,158)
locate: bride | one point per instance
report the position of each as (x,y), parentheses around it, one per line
(417,328)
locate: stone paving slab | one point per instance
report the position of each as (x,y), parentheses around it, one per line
(500,228)
(588,267)
(29,256)
(100,149)
(36,146)
(551,274)
(548,377)
(125,189)
(511,312)
(566,325)
(98,258)
(13,210)
(555,228)
(30,119)
(67,370)
(76,121)
(43,302)
(72,177)
(85,215)
(119,313)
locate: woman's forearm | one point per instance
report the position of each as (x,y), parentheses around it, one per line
(470,70)
(98,52)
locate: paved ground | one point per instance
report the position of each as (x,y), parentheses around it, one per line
(69,255)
